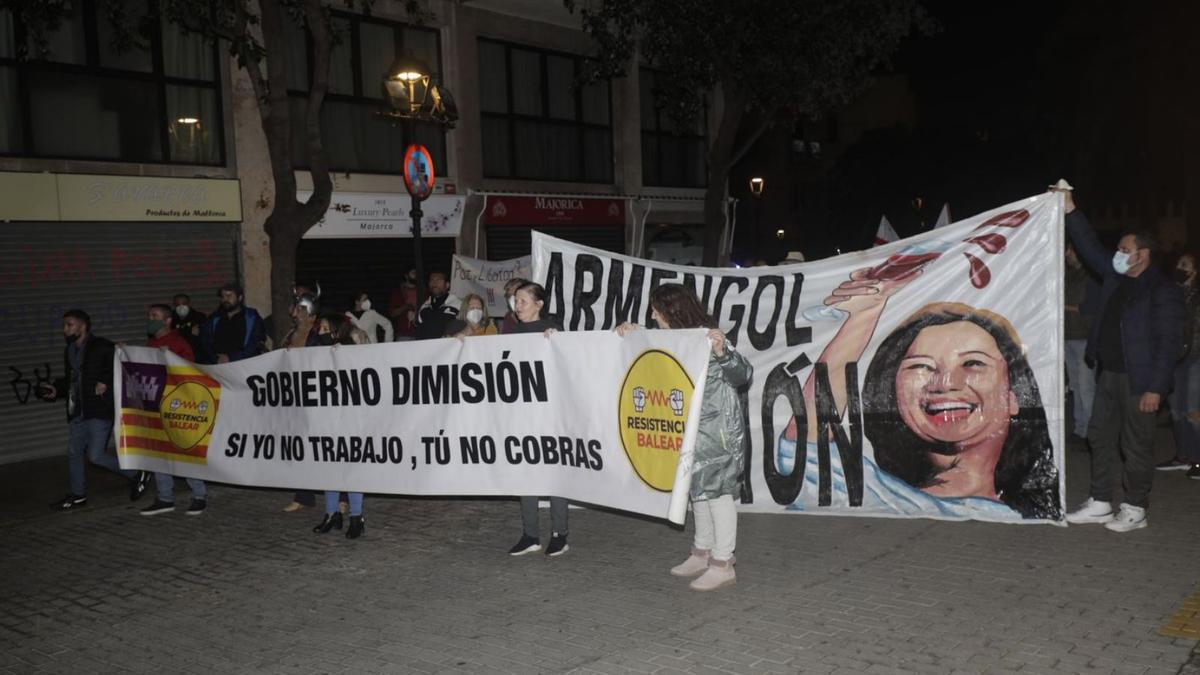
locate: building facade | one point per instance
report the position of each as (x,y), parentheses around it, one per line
(130,175)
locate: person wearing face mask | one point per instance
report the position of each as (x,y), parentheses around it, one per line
(1135,343)
(87,388)
(162,334)
(474,320)
(233,332)
(510,321)
(377,328)
(187,320)
(1185,399)
(336,330)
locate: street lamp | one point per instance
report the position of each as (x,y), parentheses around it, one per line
(414,97)
(756,186)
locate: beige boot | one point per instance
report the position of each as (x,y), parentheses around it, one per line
(696,563)
(719,573)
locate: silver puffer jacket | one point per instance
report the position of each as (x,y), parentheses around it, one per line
(718,458)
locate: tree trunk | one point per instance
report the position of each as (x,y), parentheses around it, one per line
(289,219)
(725,151)
(283,246)
(720,156)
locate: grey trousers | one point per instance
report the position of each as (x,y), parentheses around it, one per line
(529,515)
(1117,428)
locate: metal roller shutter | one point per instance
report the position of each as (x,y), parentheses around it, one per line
(345,267)
(110,270)
(505,242)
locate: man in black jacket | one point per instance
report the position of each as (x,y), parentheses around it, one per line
(87,388)
(1135,342)
(440,308)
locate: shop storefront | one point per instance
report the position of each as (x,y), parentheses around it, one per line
(110,245)
(509,219)
(365,243)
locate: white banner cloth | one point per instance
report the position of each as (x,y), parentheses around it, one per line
(586,416)
(922,377)
(486,278)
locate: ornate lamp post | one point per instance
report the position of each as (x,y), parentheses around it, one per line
(414,97)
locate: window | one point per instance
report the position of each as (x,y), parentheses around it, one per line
(671,156)
(156,101)
(354,137)
(537,123)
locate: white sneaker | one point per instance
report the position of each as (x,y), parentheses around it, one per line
(718,574)
(1128,518)
(1091,511)
(695,564)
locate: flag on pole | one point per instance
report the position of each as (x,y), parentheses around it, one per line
(886,233)
(943,217)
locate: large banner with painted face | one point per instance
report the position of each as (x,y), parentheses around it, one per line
(921,378)
(592,417)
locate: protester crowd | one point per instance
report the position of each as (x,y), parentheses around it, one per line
(1132,349)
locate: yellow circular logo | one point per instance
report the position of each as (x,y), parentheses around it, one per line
(188,412)
(653,408)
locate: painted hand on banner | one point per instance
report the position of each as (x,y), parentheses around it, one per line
(865,291)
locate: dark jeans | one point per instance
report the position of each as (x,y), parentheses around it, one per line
(529,515)
(1185,400)
(1117,429)
(88,439)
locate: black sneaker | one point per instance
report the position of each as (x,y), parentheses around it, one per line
(558,545)
(527,544)
(69,502)
(196,507)
(159,506)
(137,486)
(1194,472)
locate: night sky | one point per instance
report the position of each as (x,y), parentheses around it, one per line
(1009,97)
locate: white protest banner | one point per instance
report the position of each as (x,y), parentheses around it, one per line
(588,416)
(922,377)
(486,278)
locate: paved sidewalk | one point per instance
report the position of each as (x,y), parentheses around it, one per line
(245,588)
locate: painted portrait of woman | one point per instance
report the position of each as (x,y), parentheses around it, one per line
(950,406)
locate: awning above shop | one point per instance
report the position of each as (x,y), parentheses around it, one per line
(369,215)
(77,197)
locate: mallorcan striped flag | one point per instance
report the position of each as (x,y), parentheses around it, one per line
(167,411)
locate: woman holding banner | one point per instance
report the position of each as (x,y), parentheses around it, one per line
(529,306)
(950,406)
(718,456)
(342,331)
(475,319)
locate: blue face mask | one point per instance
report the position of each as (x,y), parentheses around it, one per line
(1120,262)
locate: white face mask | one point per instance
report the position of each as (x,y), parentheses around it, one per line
(1120,262)
(475,315)
(365,304)
(512,302)
(182,311)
